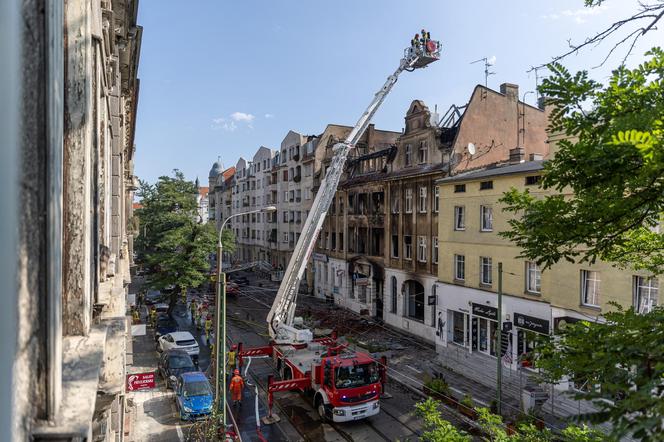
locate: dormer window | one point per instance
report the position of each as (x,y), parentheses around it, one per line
(408,155)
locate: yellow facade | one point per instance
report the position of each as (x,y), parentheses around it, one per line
(561,286)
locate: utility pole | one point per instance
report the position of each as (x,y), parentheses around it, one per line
(499,338)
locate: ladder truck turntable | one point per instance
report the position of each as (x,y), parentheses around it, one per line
(346,384)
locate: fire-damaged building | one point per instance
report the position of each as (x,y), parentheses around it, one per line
(378,252)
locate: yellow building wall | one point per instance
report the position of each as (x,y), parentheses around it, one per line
(560,285)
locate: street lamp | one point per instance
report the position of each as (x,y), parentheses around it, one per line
(220,344)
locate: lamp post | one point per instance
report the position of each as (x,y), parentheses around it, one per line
(220,344)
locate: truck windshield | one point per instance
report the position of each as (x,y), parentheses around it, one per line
(356,376)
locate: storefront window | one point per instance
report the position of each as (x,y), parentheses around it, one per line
(484,335)
(525,343)
(457,327)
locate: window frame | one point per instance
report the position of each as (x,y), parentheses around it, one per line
(486,270)
(434,250)
(436,199)
(408,200)
(423,152)
(408,155)
(460,210)
(422,200)
(408,248)
(530,268)
(585,279)
(459,264)
(422,248)
(637,285)
(483,228)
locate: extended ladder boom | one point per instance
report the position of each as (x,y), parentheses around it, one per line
(280,318)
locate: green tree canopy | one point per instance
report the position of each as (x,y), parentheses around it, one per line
(611,159)
(173,243)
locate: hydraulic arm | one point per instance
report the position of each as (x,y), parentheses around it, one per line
(280,318)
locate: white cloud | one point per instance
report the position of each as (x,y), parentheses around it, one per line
(268,116)
(579,16)
(241,116)
(231,124)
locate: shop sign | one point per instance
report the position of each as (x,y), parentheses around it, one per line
(431,300)
(361,280)
(140,381)
(531,323)
(485,311)
(320,257)
(561,322)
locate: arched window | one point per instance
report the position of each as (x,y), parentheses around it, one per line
(393,305)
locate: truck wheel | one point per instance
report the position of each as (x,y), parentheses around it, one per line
(320,407)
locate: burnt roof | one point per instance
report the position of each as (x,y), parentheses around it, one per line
(491,171)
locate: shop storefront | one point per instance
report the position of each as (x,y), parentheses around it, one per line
(527,328)
(484,328)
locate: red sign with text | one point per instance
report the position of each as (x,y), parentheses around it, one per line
(140,381)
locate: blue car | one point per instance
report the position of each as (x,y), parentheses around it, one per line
(193,396)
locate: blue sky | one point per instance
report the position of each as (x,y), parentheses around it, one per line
(221,78)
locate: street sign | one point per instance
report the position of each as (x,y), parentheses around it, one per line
(140,381)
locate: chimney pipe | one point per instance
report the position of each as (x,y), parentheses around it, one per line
(510,90)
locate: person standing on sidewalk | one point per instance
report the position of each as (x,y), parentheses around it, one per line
(236,387)
(208,328)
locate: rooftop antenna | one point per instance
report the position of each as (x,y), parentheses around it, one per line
(487,65)
(536,70)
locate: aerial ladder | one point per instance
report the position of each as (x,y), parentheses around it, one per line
(311,364)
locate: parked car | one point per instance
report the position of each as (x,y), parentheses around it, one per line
(240,280)
(173,363)
(165,324)
(180,340)
(153,297)
(193,396)
(161,307)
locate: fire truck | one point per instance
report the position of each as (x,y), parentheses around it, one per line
(345,384)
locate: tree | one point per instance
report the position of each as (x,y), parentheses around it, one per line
(437,429)
(619,365)
(612,160)
(173,242)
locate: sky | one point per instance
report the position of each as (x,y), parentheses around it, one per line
(220,78)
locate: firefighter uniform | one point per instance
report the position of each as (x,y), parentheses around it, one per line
(236,387)
(208,328)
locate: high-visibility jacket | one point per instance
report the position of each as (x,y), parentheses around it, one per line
(208,325)
(236,386)
(231,358)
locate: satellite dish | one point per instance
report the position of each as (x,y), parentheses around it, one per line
(471,149)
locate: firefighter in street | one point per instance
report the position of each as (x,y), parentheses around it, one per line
(231,358)
(236,387)
(208,328)
(136,315)
(153,317)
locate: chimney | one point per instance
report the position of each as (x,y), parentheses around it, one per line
(541,102)
(536,157)
(517,155)
(510,90)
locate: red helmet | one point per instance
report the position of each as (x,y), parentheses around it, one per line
(233,347)
(236,371)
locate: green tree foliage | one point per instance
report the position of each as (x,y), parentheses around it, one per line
(611,159)
(173,243)
(620,365)
(437,429)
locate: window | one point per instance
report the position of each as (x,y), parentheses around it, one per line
(487,218)
(395,246)
(285,216)
(532,180)
(341,241)
(408,247)
(436,199)
(423,152)
(459,188)
(423,199)
(285,237)
(457,327)
(434,250)
(409,201)
(646,291)
(459,218)
(422,248)
(393,300)
(395,202)
(459,267)
(415,300)
(486,185)
(533,278)
(590,288)
(408,157)
(485,270)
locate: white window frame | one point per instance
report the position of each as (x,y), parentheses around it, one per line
(459,217)
(408,248)
(422,249)
(645,288)
(408,201)
(533,277)
(590,279)
(486,270)
(483,226)
(460,267)
(423,153)
(423,200)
